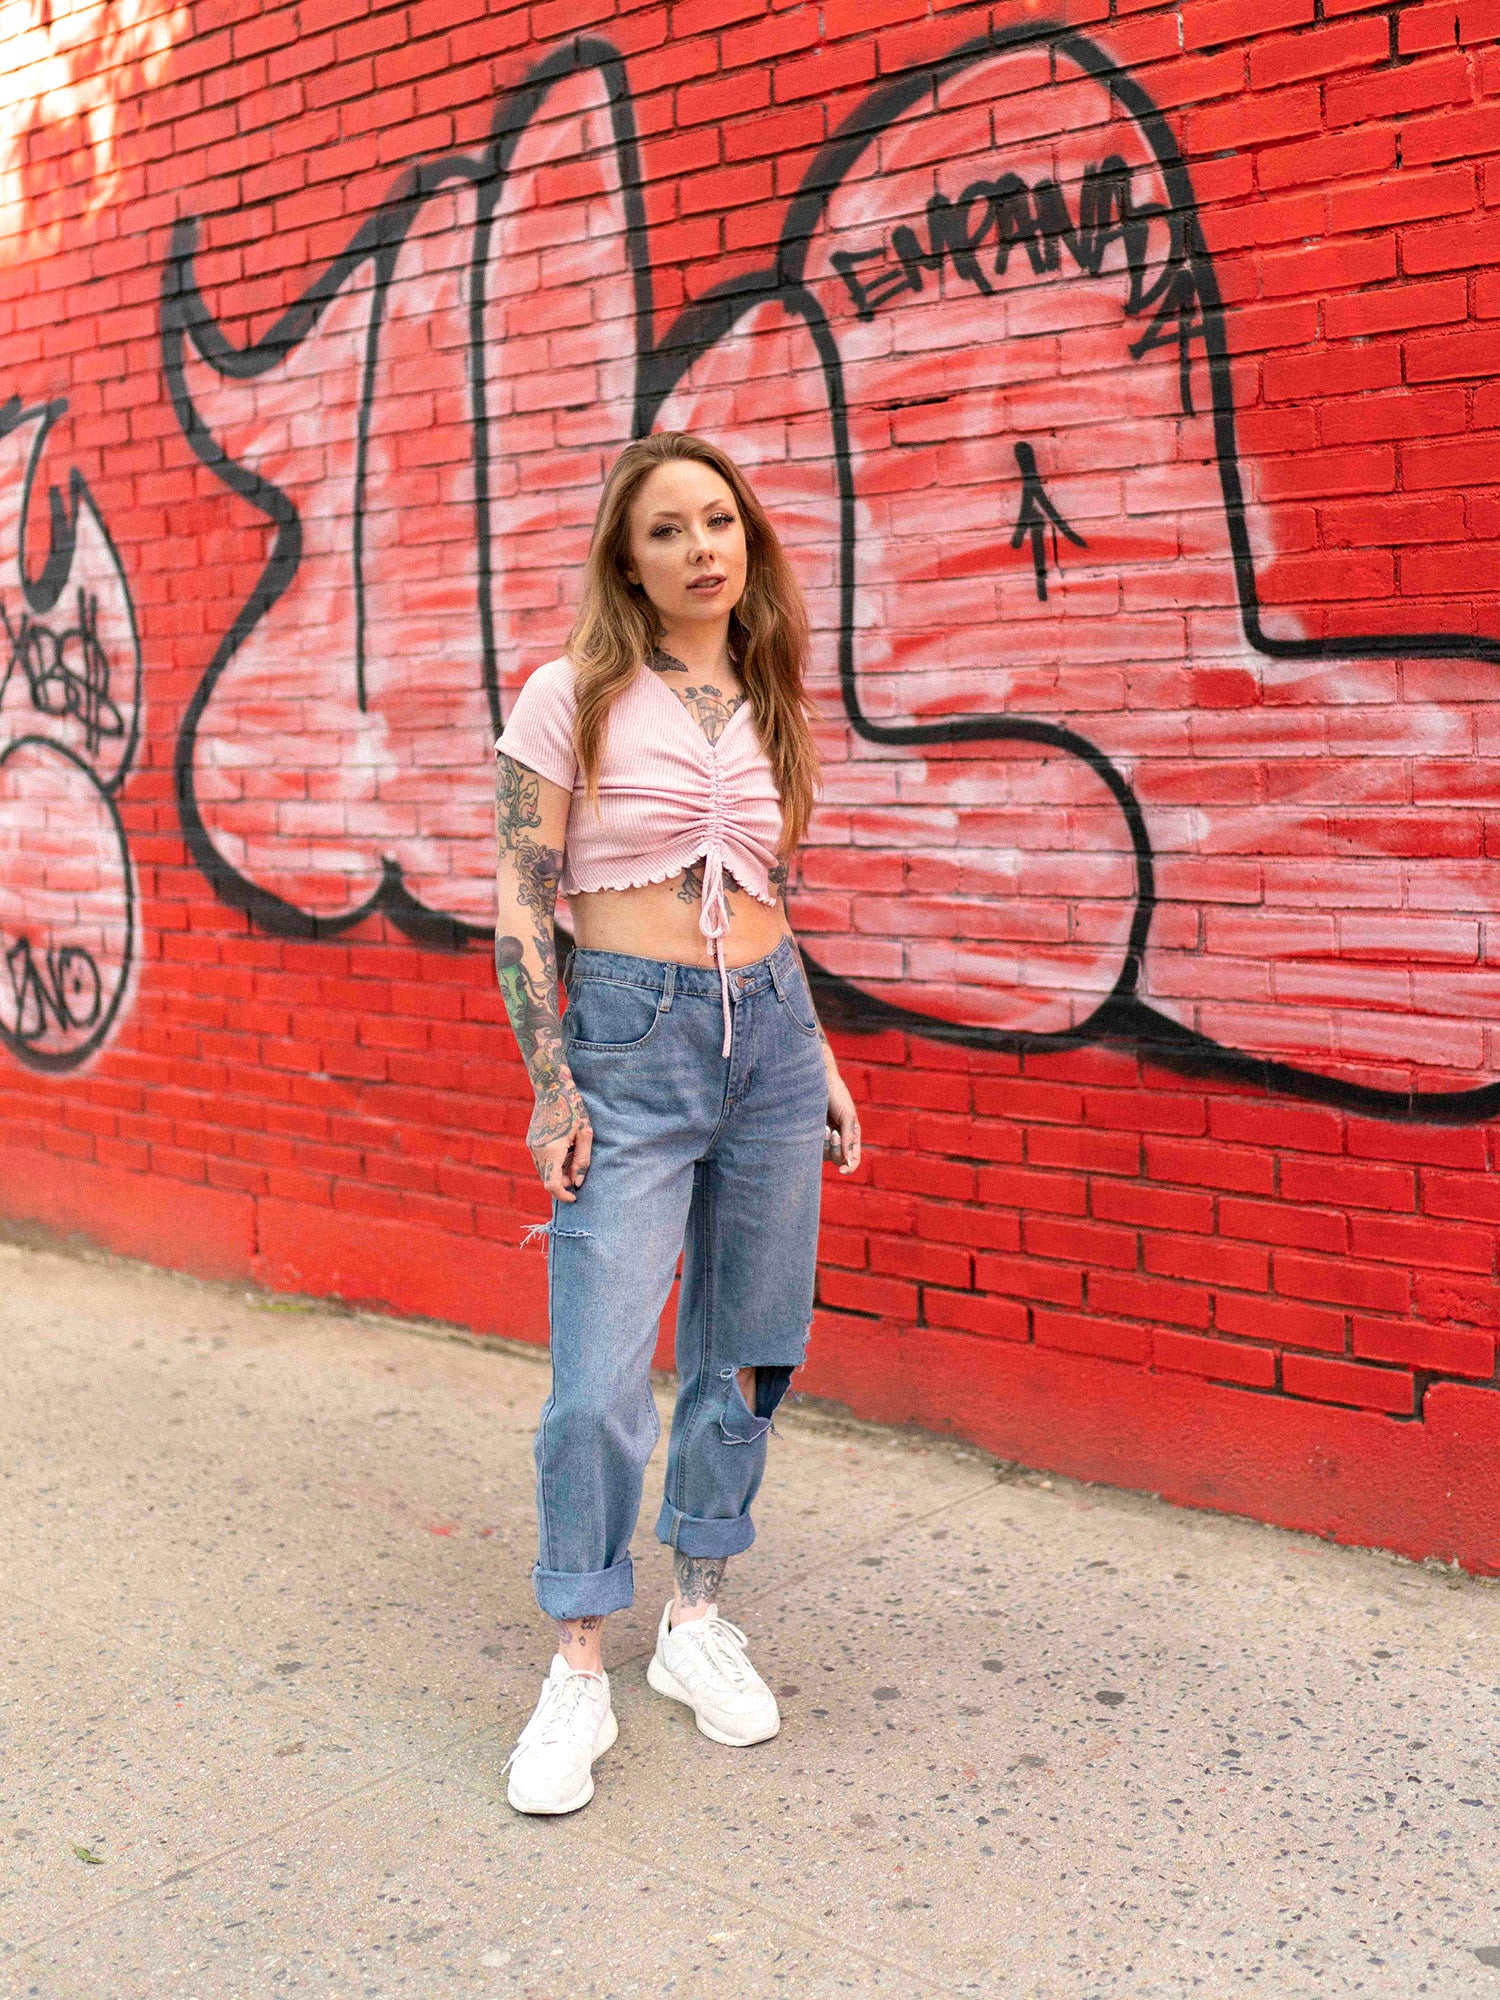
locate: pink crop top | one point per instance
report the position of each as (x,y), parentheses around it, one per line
(667,796)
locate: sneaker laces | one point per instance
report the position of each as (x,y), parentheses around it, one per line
(724,1646)
(556,1713)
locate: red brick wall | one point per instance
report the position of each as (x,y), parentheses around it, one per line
(1127,385)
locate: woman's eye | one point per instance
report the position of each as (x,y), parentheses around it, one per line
(661,531)
(722,521)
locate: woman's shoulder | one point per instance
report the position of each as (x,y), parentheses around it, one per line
(553,681)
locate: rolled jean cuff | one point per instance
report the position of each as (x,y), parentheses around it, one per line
(590,1593)
(692,1536)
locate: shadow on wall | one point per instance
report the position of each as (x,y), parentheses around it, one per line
(1076,787)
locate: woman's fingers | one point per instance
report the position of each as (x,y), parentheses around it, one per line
(551,1164)
(848,1123)
(583,1147)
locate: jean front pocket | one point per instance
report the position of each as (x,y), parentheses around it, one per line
(798,1002)
(609,1017)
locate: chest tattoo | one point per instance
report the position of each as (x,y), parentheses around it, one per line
(710,707)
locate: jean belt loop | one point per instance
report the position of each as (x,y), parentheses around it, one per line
(668,988)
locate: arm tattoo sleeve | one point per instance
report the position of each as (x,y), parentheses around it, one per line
(526,960)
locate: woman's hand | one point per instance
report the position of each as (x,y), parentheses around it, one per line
(843,1119)
(561,1138)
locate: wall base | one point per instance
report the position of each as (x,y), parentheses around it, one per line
(1428,1488)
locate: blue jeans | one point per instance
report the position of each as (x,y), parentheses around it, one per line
(721,1161)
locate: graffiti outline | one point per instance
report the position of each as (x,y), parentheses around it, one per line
(1184,306)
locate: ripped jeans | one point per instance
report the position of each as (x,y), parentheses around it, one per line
(720,1160)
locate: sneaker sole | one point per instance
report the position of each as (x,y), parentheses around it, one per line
(658,1677)
(607,1736)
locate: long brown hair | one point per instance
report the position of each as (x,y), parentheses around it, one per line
(617,627)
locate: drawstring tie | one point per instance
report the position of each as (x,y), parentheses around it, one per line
(713,921)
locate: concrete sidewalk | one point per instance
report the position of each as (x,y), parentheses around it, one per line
(268,1635)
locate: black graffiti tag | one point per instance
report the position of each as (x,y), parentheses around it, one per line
(1039,512)
(66,673)
(1005,215)
(63,989)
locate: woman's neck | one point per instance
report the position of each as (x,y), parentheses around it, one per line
(701,648)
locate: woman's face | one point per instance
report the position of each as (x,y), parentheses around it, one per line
(685,544)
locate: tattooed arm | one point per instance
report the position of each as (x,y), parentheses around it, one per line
(531,817)
(843,1119)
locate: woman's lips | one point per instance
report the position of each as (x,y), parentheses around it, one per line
(706,584)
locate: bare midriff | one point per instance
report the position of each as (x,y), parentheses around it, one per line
(659,920)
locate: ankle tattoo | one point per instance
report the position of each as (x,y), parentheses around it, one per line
(698,1577)
(575,1631)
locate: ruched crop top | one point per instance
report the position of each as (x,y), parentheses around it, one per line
(667,796)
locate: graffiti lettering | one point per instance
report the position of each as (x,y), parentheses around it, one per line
(62,991)
(1006,215)
(69,722)
(56,685)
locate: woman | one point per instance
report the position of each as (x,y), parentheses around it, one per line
(662,774)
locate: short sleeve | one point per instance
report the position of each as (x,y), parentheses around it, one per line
(539,730)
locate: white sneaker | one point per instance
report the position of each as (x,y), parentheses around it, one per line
(573,1723)
(703,1663)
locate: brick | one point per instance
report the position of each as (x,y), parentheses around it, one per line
(1207,1261)
(850,1291)
(1077,1242)
(1422,1145)
(1214,1360)
(1215,21)
(1449,246)
(1127,1296)
(723,97)
(1078,1335)
(1283,1321)
(1145,1111)
(1419,29)
(772,36)
(1453,135)
(1288,59)
(1405,197)
(1443,1350)
(1322,473)
(1256,120)
(1151,1207)
(978,1228)
(1083,1149)
(1450,1296)
(1341,1282)
(928,1263)
(968,1312)
(1348,1382)
(1283,1222)
(1015,1187)
(1029,1278)
(1391,93)
(1418,1241)
(1327,267)
(1329,157)
(1233,1168)
(1332,376)
(1468,1197)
